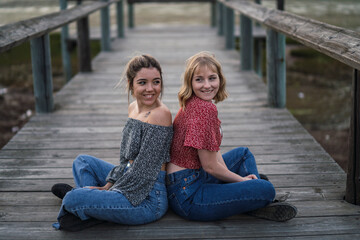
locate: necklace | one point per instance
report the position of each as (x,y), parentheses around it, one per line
(147,114)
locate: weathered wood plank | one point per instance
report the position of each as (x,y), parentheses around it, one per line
(334,180)
(305,209)
(339,43)
(14,34)
(48,173)
(214,230)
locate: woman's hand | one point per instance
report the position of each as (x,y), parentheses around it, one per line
(250,177)
(106,187)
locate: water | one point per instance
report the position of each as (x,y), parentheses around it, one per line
(16,10)
(344,13)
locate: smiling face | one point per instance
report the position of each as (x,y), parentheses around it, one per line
(205,83)
(147,87)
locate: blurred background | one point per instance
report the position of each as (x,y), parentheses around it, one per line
(318,87)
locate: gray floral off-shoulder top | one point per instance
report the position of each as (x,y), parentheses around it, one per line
(148,146)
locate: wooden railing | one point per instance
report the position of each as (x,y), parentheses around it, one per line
(36,30)
(338,43)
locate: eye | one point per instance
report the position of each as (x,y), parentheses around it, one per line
(141,82)
(157,82)
(212,78)
(198,79)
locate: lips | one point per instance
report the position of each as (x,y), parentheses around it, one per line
(207,91)
(148,96)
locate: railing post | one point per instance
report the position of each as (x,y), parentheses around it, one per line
(246,43)
(213,13)
(131,15)
(276,66)
(280,4)
(220,18)
(120,19)
(42,74)
(83,42)
(66,60)
(258,49)
(353,173)
(230,44)
(224,18)
(105,28)
(276,69)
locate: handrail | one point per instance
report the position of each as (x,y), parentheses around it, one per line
(36,30)
(339,43)
(14,34)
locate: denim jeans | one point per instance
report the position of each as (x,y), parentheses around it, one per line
(196,195)
(109,206)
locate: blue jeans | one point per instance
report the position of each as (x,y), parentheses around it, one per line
(109,206)
(196,195)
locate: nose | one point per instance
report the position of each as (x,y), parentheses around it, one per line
(149,87)
(206,84)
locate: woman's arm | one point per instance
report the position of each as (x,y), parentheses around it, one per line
(213,163)
(106,187)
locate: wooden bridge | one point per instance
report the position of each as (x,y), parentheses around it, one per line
(88,114)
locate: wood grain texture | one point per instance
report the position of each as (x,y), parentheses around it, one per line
(338,43)
(14,34)
(88,119)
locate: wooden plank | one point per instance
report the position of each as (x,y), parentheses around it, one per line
(333,180)
(66,161)
(305,209)
(48,173)
(14,34)
(45,198)
(339,43)
(214,230)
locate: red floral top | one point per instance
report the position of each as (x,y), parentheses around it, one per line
(198,127)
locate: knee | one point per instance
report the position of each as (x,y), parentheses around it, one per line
(247,153)
(82,159)
(69,200)
(73,200)
(243,152)
(268,190)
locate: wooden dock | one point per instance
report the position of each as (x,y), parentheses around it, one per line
(88,119)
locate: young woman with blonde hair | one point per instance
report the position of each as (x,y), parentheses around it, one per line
(202,183)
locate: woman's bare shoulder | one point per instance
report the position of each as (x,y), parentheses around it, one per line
(160,116)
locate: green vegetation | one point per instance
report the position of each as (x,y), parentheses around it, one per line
(15,64)
(311,62)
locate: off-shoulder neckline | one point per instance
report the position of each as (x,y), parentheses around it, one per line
(146,123)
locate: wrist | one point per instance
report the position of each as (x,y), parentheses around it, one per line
(108,185)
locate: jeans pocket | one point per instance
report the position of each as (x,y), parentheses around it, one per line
(189,185)
(182,194)
(180,209)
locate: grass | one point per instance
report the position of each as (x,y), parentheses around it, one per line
(15,70)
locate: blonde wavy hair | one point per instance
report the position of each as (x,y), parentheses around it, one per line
(196,61)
